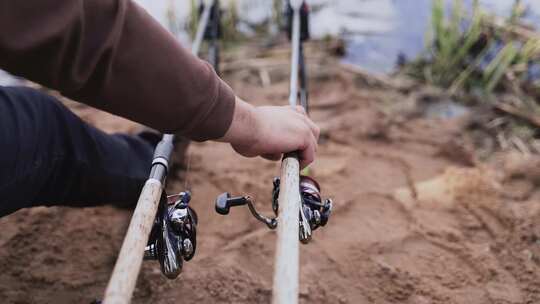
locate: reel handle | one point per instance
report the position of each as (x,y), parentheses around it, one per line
(224,202)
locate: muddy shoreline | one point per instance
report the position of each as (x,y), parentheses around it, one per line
(417,219)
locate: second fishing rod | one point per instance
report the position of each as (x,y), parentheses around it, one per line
(296,199)
(299,193)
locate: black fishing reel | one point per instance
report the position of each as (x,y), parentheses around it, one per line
(314,212)
(173,238)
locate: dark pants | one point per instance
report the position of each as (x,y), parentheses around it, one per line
(51,157)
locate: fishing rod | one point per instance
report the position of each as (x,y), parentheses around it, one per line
(296,199)
(213,33)
(162,227)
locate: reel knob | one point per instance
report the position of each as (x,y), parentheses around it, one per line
(224,202)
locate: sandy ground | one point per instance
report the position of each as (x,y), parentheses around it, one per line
(415,221)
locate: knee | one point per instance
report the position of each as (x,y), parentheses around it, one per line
(28,124)
(32,111)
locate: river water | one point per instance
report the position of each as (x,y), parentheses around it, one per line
(376,31)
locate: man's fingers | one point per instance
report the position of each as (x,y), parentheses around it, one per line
(274,157)
(314,128)
(300,110)
(307,155)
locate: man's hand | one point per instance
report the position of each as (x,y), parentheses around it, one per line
(271,131)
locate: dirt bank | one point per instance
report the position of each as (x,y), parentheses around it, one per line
(415,221)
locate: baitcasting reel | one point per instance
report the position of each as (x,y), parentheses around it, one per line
(173,238)
(314,213)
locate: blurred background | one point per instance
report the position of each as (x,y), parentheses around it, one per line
(430,148)
(376,31)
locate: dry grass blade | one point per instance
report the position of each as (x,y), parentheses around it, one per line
(509,109)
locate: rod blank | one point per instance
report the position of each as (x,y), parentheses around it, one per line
(286,269)
(126,269)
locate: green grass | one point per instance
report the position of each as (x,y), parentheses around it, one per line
(452,59)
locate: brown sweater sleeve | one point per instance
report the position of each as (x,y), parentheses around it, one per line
(114,56)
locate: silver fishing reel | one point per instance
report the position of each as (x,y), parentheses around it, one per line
(173,239)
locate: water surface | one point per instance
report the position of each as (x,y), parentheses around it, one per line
(376,30)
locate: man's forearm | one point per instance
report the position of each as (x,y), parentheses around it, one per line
(112,55)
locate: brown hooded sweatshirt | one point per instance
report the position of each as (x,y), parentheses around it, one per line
(111,54)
